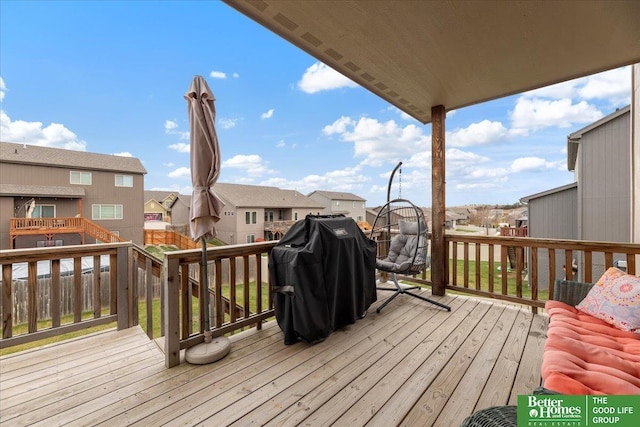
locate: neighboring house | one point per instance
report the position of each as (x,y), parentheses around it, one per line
(254,213)
(339,203)
(462,215)
(166,208)
(44,182)
(597,206)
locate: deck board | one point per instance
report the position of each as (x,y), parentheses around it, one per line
(413,363)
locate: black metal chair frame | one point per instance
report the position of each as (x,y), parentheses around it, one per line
(385,229)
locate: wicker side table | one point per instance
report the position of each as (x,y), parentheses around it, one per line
(496,416)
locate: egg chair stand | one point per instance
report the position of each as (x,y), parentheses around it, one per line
(401,233)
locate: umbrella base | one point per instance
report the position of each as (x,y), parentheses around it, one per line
(208,352)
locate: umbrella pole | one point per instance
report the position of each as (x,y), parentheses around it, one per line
(205,294)
(211,349)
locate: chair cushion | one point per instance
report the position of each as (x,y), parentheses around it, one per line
(615,298)
(411,227)
(402,254)
(586,355)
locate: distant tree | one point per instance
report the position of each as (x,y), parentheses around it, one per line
(481,217)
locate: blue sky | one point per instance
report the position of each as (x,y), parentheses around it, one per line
(109,77)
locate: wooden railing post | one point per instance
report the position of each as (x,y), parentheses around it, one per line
(123,287)
(171,295)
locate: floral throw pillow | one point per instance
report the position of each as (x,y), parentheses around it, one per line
(615,298)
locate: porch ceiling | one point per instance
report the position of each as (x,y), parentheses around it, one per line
(419,54)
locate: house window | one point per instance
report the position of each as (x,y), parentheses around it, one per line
(295,216)
(80,178)
(353,204)
(124,181)
(44,211)
(337,202)
(251,217)
(251,238)
(106,212)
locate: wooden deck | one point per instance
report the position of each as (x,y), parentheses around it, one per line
(412,364)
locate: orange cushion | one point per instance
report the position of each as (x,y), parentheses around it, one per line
(585,355)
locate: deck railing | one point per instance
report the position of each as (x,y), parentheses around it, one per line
(184,312)
(522,270)
(167,293)
(60,225)
(89,285)
(46,268)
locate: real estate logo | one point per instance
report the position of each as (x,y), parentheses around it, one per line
(553,410)
(578,411)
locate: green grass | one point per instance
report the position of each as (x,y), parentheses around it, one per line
(497,285)
(465,230)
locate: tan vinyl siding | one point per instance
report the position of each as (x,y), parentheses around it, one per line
(41,172)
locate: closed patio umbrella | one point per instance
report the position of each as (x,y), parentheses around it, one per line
(205,204)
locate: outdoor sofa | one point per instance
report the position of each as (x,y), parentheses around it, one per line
(592,346)
(593,338)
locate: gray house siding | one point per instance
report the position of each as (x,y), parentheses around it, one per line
(604,201)
(605,187)
(600,156)
(552,215)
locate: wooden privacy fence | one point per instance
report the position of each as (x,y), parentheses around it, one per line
(169,237)
(67,295)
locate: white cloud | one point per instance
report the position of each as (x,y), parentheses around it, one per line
(484,132)
(226,123)
(181,172)
(348,179)
(339,126)
(170,125)
(170,128)
(281,144)
(236,75)
(458,160)
(566,89)
(3,89)
(169,164)
(319,77)
(533,114)
(571,103)
(252,164)
(123,154)
(218,75)
(527,164)
(379,142)
(180,147)
(534,164)
(613,85)
(268,114)
(53,135)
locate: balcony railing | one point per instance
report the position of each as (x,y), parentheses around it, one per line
(141,287)
(59,225)
(238,276)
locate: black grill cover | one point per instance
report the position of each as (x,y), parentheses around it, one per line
(323,274)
